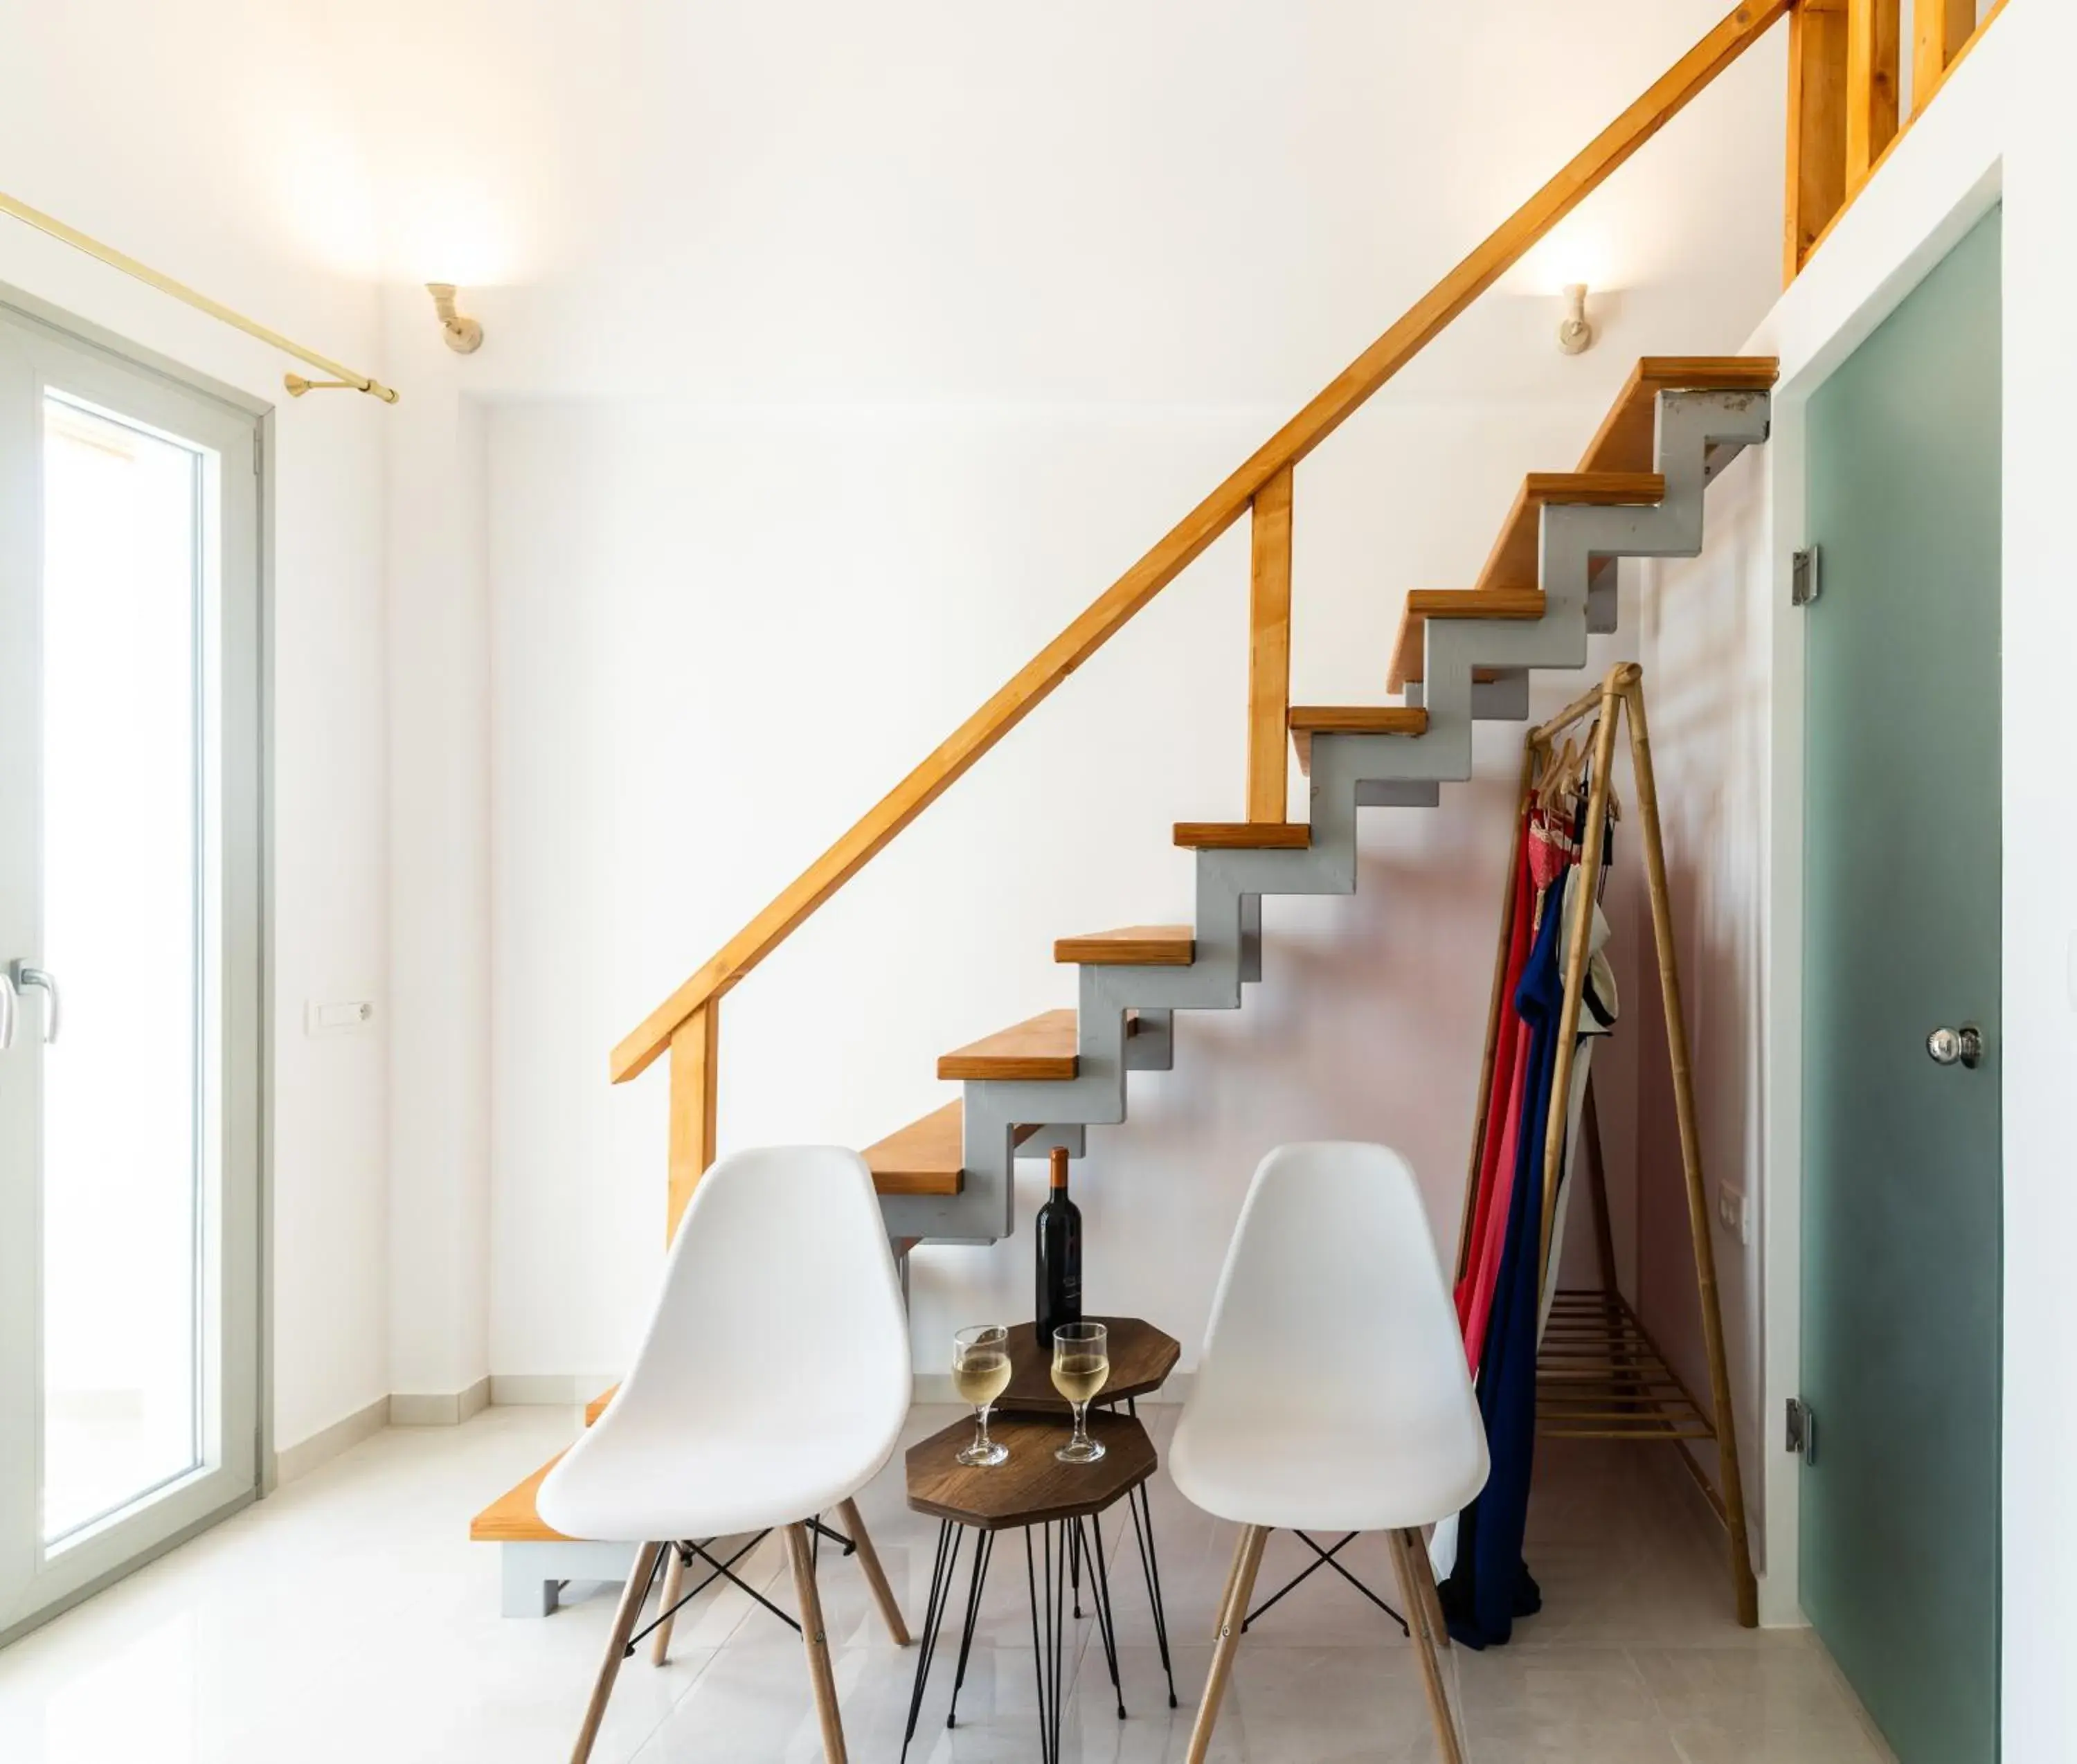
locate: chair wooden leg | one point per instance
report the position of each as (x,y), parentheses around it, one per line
(1225,1598)
(875,1576)
(1417,1584)
(1240,1588)
(819,1674)
(674,1580)
(632,1598)
(1431,1598)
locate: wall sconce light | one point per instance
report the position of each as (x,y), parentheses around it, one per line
(465,335)
(1576,333)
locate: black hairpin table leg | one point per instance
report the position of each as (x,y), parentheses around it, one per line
(941,1570)
(1049,1611)
(984,1549)
(1105,1624)
(1141,1506)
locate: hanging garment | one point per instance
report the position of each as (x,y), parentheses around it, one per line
(1489,1586)
(1598,1010)
(1548,851)
(1489,1199)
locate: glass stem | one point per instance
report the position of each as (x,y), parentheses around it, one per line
(983,1419)
(1081,1424)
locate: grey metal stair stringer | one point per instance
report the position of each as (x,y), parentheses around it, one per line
(1696,433)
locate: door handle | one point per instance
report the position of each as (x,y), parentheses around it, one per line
(26,977)
(1962,1047)
(6,1010)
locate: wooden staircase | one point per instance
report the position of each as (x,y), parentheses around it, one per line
(1460,656)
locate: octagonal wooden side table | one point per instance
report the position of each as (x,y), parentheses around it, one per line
(1032,1491)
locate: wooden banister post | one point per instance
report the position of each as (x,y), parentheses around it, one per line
(1269,652)
(1940,27)
(695,1062)
(1875,30)
(1817,31)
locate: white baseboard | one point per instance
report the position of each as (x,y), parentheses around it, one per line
(561,1389)
(300,1458)
(439,1409)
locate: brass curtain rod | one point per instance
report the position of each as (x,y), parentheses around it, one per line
(343,374)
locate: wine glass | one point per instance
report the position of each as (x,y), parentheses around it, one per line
(981,1373)
(1081,1367)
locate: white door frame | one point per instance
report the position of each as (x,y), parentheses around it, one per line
(145,384)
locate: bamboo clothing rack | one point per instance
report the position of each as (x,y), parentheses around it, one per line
(1599,1374)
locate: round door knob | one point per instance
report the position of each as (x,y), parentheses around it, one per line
(1962,1047)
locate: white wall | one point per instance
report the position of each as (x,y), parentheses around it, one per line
(156,146)
(1731,669)
(818,598)
(873,347)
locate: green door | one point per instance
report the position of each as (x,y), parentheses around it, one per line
(1901,1161)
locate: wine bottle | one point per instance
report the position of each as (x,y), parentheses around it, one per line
(1059,1256)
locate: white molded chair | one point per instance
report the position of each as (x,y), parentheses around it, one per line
(771,1386)
(1332,1394)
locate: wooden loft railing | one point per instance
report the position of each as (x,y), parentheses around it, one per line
(1846,114)
(687,1024)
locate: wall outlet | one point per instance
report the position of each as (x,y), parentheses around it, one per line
(341,1017)
(1733,1211)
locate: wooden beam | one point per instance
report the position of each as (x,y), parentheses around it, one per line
(1874,67)
(1939,30)
(1584,174)
(695,1062)
(1816,128)
(1269,652)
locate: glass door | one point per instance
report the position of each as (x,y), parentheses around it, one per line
(1902,1180)
(129,1019)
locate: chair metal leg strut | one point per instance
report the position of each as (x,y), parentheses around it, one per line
(1326,1560)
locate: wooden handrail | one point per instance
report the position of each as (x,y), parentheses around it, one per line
(1429,315)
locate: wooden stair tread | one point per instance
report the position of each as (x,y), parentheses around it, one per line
(1409,655)
(1131,946)
(1624,440)
(1307,720)
(1243,835)
(512,1518)
(1513,562)
(925,1157)
(1042,1047)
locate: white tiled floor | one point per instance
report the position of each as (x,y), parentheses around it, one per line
(349,1619)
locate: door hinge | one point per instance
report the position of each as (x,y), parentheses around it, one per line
(1805,579)
(1801,1433)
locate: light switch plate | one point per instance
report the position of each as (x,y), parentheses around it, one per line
(337,1016)
(1733,1213)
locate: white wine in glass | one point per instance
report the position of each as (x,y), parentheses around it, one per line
(981,1374)
(1081,1367)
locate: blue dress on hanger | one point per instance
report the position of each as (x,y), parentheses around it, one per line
(1490,1585)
